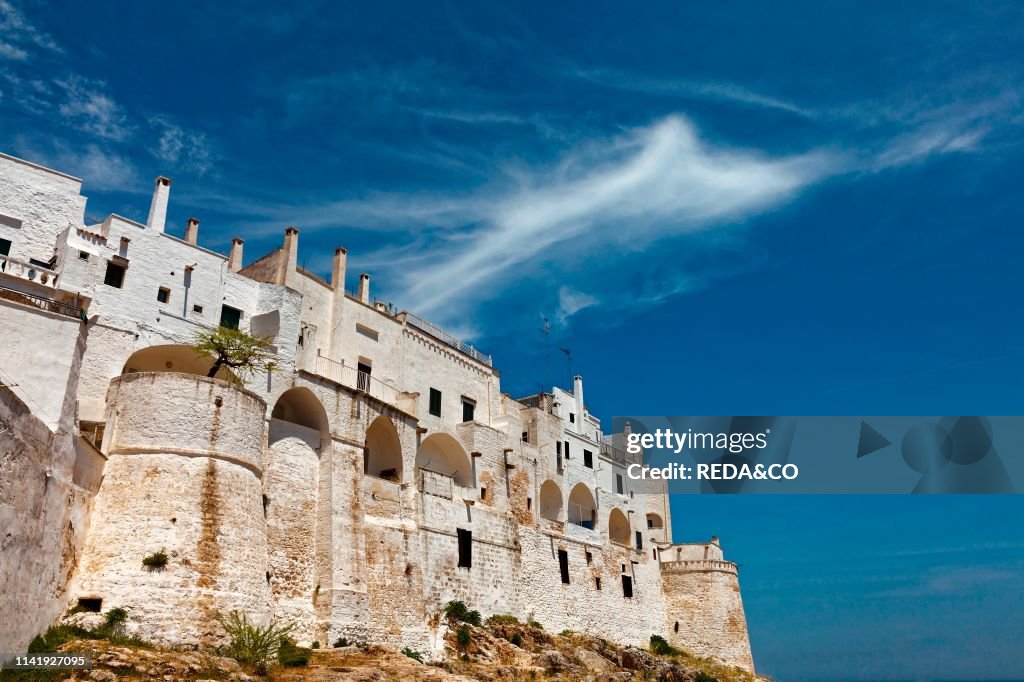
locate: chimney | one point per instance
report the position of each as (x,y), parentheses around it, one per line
(291,256)
(338,273)
(364,288)
(235,256)
(158,209)
(577,392)
(192,231)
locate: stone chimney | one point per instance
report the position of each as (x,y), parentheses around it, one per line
(192,231)
(364,288)
(338,273)
(235,256)
(158,209)
(577,393)
(291,256)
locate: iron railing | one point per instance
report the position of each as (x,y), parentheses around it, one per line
(620,456)
(445,337)
(351,376)
(43,303)
(539,401)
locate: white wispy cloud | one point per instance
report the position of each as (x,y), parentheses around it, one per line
(709,90)
(180,146)
(85,105)
(19,37)
(100,169)
(571,302)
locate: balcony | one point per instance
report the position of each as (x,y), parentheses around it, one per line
(620,456)
(351,377)
(32,272)
(42,303)
(446,338)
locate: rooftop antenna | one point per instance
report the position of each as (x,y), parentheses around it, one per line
(546,331)
(568,359)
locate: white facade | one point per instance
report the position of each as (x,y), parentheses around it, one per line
(345,491)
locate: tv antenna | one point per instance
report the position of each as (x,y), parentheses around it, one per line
(546,331)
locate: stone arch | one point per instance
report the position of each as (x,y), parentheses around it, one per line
(442,454)
(174,358)
(550,501)
(618,527)
(582,507)
(382,450)
(301,407)
(654,521)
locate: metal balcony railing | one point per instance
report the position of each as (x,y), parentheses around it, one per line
(42,303)
(351,376)
(620,456)
(445,337)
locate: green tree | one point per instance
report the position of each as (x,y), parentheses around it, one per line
(242,353)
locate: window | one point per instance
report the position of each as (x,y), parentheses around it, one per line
(115,275)
(572,417)
(468,406)
(676,626)
(483,494)
(196,308)
(435,402)
(558,448)
(654,553)
(83,255)
(566,450)
(5,247)
(90,604)
(163,294)
(618,483)
(597,582)
(563,565)
(588,459)
(650,522)
(590,557)
(367,332)
(465,548)
(526,436)
(640,540)
(529,503)
(363,372)
(627,586)
(230,317)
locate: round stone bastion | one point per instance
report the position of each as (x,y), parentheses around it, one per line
(178,533)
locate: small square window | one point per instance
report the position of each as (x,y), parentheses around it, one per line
(230,317)
(83,255)
(115,275)
(526,436)
(588,459)
(196,308)
(468,408)
(5,247)
(163,294)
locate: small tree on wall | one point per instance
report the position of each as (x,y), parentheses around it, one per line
(242,353)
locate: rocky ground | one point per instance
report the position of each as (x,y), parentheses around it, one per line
(494,652)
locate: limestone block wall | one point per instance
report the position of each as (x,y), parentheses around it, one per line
(43,521)
(182,477)
(290,487)
(705,610)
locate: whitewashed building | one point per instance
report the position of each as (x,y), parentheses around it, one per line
(377,472)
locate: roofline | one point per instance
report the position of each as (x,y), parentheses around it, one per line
(39,167)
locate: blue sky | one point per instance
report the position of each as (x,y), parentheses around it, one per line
(725,208)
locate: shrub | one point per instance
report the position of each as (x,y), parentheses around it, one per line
(534,624)
(704,677)
(456,610)
(516,639)
(315,645)
(54,637)
(414,655)
(252,644)
(292,655)
(113,623)
(155,561)
(661,647)
(341,642)
(502,619)
(463,637)
(566,633)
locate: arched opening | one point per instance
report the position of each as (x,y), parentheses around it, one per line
(299,407)
(174,358)
(582,508)
(551,501)
(654,522)
(442,454)
(618,527)
(382,451)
